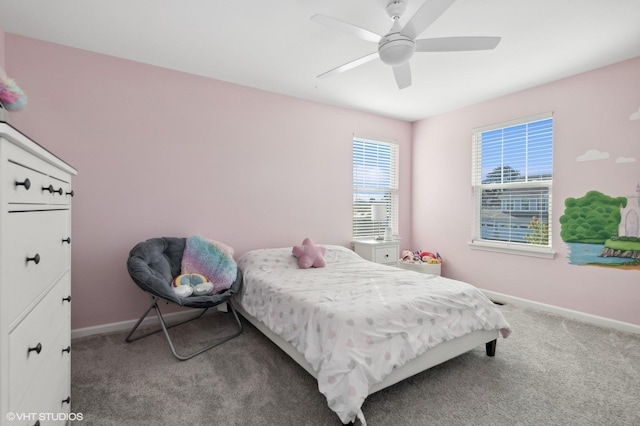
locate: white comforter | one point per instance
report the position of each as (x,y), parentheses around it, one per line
(354,320)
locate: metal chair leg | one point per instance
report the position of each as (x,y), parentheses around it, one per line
(154,304)
(219,341)
(165,328)
(128,339)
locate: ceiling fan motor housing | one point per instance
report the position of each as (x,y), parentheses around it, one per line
(396,49)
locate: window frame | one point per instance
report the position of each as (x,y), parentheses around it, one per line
(368,231)
(509,247)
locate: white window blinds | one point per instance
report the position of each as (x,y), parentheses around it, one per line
(512,174)
(375,181)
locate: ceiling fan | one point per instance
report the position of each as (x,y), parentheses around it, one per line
(398,46)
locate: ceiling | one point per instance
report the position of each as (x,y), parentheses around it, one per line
(273,45)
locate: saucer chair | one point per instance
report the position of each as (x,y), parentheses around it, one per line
(153,265)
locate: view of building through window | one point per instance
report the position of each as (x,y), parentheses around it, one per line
(513,175)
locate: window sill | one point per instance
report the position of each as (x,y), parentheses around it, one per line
(514,248)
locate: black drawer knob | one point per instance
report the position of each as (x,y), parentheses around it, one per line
(52,190)
(67,240)
(26,184)
(66,299)
(70,193)
(35,259)
(37,348)
(67,349)
(67,401)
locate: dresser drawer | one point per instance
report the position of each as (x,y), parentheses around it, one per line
(24,185)
(61,402)
(34,235)
(29,180)
(48,393)
(386,255)
(47,328)
(47,396)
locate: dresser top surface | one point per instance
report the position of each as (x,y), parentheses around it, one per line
(13,135)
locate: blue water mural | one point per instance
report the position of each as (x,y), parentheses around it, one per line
(584,254)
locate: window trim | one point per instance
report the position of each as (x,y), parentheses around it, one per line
(506,247)
(513,248)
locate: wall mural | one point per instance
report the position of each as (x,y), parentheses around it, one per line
(603,230)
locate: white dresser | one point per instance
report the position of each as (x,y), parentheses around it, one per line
(35,282)
(387,252)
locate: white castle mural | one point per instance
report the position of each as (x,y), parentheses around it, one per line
(630,216)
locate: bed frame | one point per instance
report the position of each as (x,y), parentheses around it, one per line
(434,356)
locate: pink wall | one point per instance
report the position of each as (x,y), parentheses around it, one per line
(164,153)
(591,111)
(1,48)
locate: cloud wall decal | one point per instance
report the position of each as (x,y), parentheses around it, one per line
(635,115)
(625,160)
(593,154)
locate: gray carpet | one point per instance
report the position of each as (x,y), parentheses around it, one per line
(550,371)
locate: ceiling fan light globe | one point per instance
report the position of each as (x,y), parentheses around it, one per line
(396,52)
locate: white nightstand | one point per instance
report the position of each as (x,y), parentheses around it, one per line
(386,252)
(425,268)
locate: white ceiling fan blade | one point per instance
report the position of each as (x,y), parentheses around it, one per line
(402,73)
(456,44)
(350,65)
(348,28)
(425,16)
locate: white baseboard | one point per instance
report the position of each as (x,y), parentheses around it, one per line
(577,315)
(128,325)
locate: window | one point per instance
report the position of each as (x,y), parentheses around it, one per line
(512,177)
(375,181)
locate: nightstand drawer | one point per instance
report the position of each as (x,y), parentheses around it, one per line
(385,252)
(385,255)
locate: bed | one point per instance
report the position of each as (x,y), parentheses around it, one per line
(359,326)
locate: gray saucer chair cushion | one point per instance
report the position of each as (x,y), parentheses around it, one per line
(154,264)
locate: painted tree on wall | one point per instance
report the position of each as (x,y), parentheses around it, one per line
(593,218)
